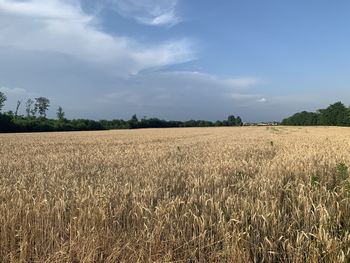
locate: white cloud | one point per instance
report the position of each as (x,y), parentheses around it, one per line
(62,26)
(262,100)
(52,9)
(149,12)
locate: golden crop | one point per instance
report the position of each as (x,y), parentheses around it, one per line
(254,194)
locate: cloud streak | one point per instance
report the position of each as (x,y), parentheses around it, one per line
(149,12)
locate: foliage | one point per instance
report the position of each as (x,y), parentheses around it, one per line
(342,171)
(335,115)
(42,104)
(314,180)
(30,108)
(60,113)
(17,107)
(6,123)
(12,122)
(3,98)
(42,124)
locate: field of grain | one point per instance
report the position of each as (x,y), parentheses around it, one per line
(254,194)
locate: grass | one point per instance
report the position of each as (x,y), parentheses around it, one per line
(176,195)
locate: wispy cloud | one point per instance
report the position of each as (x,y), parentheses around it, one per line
(242,82)
(149,12)
(63,27)
(243,96)
(168,18)
(176,91)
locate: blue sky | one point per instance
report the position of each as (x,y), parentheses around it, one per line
(176,59)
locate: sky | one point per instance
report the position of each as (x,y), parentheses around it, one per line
(176,59)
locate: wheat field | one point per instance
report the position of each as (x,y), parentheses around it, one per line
(247,194)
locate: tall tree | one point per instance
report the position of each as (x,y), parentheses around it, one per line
(133,122)
(3,98)
(60,113)
(239,121)
(42,104)
(17,107)
(231,120)
(30,108)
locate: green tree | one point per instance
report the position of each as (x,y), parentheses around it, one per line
(133,122)
(231,120)
(302,118)
(335,114)
(239,121)
(3,98)
(60,113)
(42,104)
(6,123)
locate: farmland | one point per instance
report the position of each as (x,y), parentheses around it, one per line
(242,194)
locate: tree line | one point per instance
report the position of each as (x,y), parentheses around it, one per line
(35,120)
(336,114)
